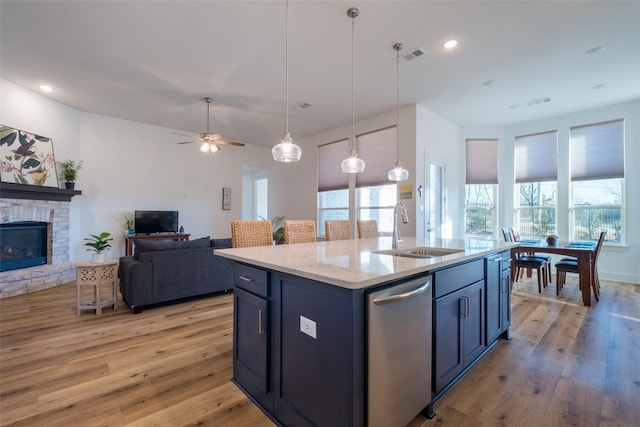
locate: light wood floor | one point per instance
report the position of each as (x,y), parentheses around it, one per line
(566,364)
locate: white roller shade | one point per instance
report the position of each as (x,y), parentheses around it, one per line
(597,151)
(330,175)
(482,161)
(536,157)
(378,150)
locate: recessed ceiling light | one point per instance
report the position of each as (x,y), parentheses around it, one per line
(46,88)
(450,44)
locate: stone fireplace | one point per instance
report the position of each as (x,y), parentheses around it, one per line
(32,204)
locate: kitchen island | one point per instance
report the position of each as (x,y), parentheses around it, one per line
(310,348)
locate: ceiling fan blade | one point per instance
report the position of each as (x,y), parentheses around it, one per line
(186,142)
(185,134)
(227,142)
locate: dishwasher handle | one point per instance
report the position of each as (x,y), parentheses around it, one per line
(401,297)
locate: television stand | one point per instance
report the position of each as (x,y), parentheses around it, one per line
(130,240)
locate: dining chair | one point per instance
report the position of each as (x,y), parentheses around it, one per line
(516,238)
(565,266)
(337,230)
(246,234)
(299,231)
(367,228)
(522,262)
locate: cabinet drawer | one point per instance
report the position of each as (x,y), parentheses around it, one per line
(250,279)
(451,279)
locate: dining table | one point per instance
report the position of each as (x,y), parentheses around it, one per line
(583,251)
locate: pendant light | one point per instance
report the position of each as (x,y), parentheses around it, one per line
(353,164)
(398,173)
(286,151)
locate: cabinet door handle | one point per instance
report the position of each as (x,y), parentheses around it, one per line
(468,305)
(496,259)
(246,279)
(260,326)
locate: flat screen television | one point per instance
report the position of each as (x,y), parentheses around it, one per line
(148,222)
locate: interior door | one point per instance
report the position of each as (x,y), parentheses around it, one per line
(435,197)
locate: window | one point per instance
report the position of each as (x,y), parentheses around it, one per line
(332,205)
(536,183)
(378,203)
(481,188)
(597,181)
(375,195)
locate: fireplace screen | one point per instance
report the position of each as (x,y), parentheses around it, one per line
(22,245)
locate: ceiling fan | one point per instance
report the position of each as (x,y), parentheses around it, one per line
(210,142)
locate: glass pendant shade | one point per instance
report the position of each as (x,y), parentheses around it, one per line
(398,173)
(286,151)
(207,147)
(352,164)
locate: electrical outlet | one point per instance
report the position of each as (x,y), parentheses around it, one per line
(308,326)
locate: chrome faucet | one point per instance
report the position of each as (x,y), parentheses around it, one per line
(405,220)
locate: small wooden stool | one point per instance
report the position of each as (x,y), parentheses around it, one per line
(96,274)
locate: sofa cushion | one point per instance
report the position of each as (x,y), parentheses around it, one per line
(167,245)
(221,243)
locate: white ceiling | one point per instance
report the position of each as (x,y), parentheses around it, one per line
(154,61)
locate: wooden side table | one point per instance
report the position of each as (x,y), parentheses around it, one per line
(96,274)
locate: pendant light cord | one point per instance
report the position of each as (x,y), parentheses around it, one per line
(397,107)
(353,87)
(286,66)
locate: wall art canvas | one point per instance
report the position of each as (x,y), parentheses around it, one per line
(27,158)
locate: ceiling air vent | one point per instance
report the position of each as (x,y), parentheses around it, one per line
(412,54)
(303,106)
(538,101)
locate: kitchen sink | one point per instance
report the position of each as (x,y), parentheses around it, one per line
(420,252)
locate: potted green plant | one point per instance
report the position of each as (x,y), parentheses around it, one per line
(98,243)
(128,226)
(70,173)
(277,228)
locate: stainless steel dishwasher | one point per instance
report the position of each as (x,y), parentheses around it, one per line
(399,352)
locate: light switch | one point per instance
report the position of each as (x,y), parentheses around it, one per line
(308,326)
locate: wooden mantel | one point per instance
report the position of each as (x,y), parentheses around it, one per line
(10,190)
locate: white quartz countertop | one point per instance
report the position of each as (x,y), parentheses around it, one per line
(354,264)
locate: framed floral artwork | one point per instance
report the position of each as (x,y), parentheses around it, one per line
(26,158)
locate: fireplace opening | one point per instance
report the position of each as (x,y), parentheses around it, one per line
(22,245)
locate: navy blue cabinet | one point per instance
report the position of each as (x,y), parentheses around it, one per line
(459,320)
(252,334)
(498,296)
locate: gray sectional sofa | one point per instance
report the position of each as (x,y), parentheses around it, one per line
(167,270)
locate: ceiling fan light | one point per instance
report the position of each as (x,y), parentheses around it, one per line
(286,151)
(398,173)
(204,147)
(352,164)
(213,147)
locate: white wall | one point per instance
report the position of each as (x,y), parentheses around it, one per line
(129,166)
(437,137)
(616,262)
